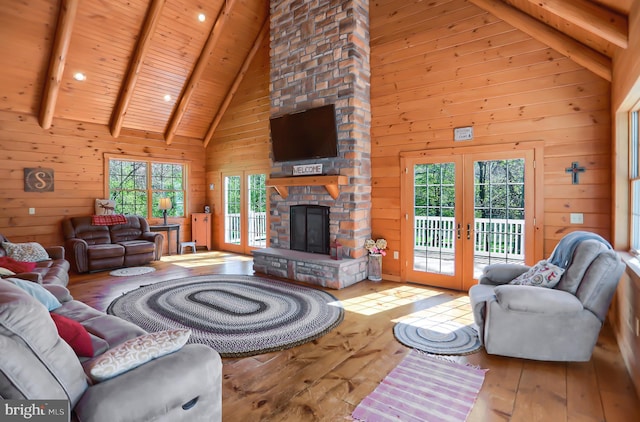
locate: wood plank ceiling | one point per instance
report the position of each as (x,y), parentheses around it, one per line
(153,66)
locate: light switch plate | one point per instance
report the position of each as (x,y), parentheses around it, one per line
(577,218)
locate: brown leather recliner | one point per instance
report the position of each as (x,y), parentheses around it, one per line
(99,247)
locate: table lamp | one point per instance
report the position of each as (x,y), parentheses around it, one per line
(165,204)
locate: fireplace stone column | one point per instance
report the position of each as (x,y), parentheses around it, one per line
(320,56)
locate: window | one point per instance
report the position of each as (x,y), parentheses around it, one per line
(634,175)
(257,197)
(137,186)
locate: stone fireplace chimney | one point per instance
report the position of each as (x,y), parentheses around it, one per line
(320,56)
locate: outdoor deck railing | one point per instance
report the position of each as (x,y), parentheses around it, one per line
(495,237)
(257,228)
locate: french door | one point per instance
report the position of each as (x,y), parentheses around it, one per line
(245,211)
(465,210)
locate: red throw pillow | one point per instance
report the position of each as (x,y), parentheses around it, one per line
(74,334)
(16,266)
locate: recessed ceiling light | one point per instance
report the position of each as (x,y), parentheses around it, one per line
(201,17)
(79,76)
(167,97)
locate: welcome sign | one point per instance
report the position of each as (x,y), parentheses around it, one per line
(307,169)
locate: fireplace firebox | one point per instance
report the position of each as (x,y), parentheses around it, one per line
(309,229)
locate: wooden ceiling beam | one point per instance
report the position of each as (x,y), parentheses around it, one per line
(567,46)
(64,28)
(196,75)
(589,16)
(137,60)
(236,83)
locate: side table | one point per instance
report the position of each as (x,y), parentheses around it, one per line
(168,228)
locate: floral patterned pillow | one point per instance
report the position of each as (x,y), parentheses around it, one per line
(137,351)
(26,252)
(543,274)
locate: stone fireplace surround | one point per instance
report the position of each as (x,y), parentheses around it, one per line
(320,56)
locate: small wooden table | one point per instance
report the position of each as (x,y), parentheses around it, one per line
(168,228)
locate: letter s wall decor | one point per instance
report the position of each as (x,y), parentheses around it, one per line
(38,180)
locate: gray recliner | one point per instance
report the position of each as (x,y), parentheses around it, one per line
(550,324)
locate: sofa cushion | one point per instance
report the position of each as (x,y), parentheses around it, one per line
(57,274)
(137,351)
(16,266)
(27,252)
(36,363)
(81,228)
(111,329)
(105,251)
(38,292)
(135,247)
(131,230)
(74,334)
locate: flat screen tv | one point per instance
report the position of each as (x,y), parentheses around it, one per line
(305,135)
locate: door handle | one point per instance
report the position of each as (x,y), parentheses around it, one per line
(459,230)
(468,231)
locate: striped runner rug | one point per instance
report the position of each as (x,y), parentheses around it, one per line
(423,389)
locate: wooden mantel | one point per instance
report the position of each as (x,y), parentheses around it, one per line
(331,183)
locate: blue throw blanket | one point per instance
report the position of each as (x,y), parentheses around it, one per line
(563,252)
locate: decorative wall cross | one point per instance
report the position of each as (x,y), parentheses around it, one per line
(575,170)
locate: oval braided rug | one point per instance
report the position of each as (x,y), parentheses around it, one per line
(235,315)
(442,338)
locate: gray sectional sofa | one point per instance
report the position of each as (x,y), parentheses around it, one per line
(36,363)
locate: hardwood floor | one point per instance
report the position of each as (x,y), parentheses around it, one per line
(324,380)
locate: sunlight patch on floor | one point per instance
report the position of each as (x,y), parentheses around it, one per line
(384,300)
(457,310)
(191,260)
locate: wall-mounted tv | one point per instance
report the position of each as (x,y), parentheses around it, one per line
(305,135)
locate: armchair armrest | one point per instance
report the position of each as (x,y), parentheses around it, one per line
(157,239)
(536,299)
(33,276)
(60,292)
(497,274)
(151,236)
(163,389)
(78,254)
(55,252)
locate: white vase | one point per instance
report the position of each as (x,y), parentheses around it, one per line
(374,267)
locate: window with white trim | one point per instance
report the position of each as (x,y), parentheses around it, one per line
(137,186)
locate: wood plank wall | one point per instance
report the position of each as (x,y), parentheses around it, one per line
(241,141)
(444,64)
(75,151)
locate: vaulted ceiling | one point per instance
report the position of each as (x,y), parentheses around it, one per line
(171,67)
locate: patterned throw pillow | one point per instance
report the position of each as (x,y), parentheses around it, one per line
(105,207)
(26,252)
(543,274)
(137,351)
